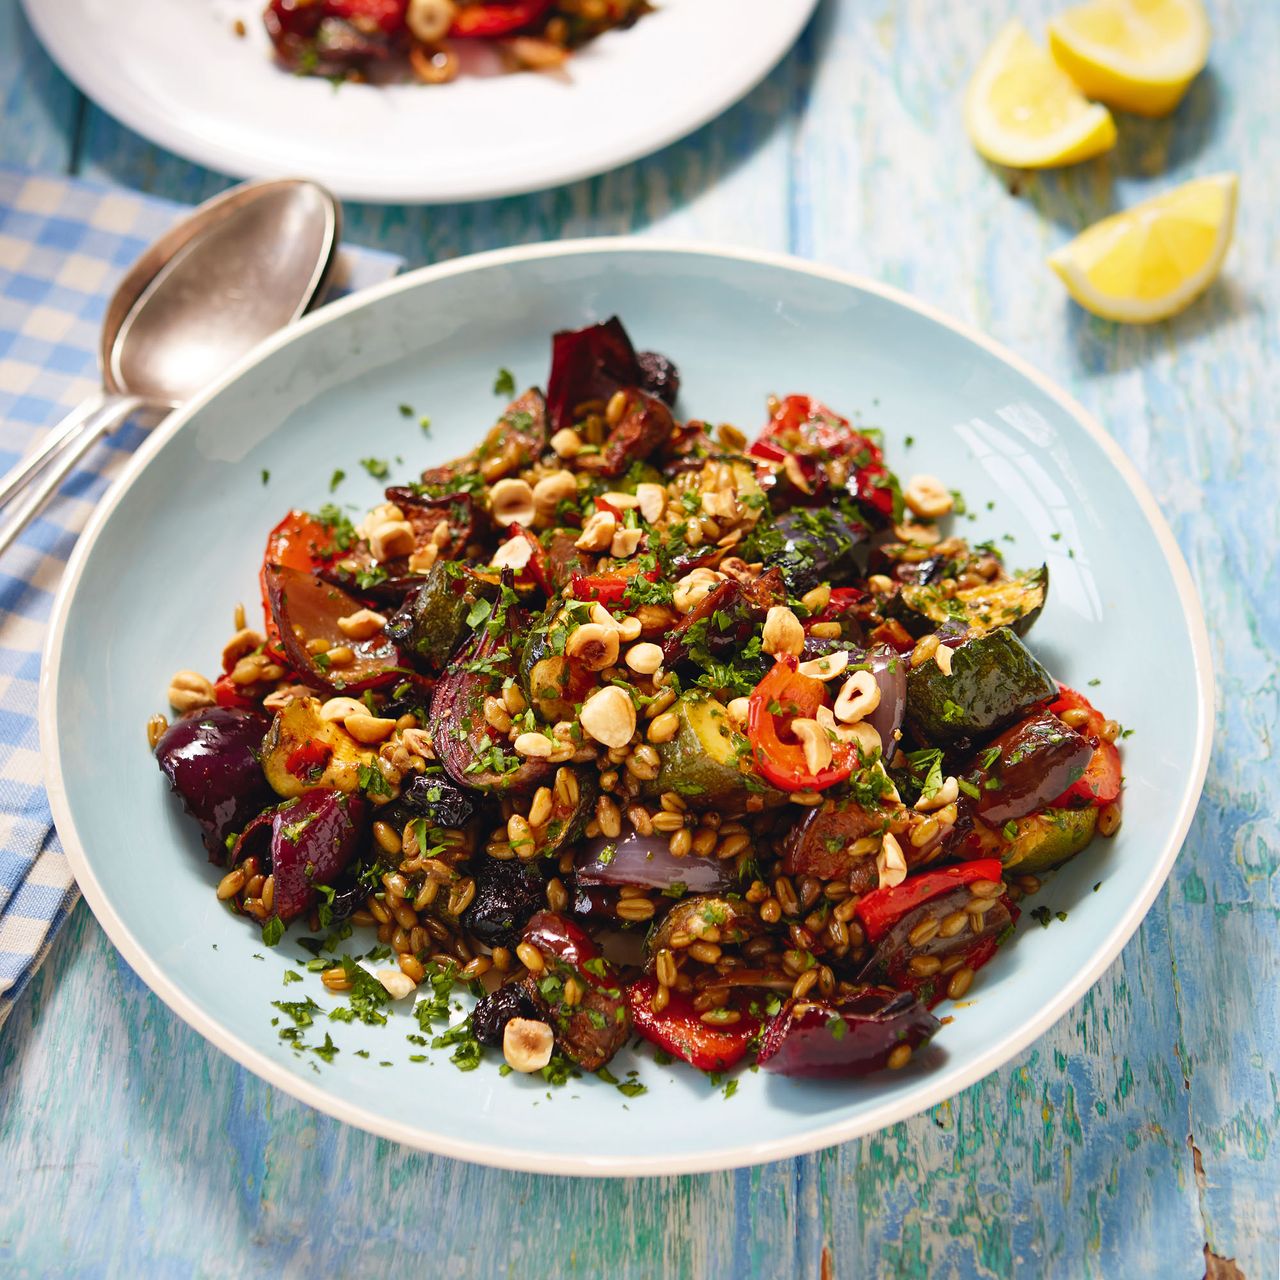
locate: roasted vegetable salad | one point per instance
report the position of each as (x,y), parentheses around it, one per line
(646,730)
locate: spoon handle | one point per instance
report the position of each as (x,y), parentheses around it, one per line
(70,427)
(112,413)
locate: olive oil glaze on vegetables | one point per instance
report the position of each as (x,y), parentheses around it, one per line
(643,730)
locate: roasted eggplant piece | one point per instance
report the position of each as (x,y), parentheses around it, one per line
(211,760)
(464,743)
(824,843)
(994,680)
(1012,602)
(1026,768)
(305,843)
(850,1036)
(433,621)
(726,618)
(646,425)
(305,608)
(426,515)
(593,1027)
(819,544)
(304,753)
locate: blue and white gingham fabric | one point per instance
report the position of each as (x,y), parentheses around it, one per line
(63,246)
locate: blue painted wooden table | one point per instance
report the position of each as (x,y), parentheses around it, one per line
(1137,1138)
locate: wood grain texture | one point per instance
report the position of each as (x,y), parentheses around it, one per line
(1143,1127)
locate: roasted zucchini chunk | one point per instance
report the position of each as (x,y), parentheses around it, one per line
(433,621)
(708,762)
(994,681)
(302,752)
(1013,602)
(1048,839)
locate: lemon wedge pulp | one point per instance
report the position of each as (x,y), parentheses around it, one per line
(1023,110)
(1151,261)
(1135,55)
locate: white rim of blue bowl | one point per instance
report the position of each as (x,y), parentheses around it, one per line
(932,1089)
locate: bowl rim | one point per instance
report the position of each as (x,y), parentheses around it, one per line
(932,1089)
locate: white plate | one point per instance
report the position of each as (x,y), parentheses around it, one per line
(174,71)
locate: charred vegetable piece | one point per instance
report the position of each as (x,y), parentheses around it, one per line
(881,910)
(680,1030)
(1047,840)
(708,762)
(1102,778)
(1014,602)
(473,754)
(935,949)
(818,545)
(211,760)
(433,621)
(564,562)
(518,438)
(659,377)
(508,892)
(648,861)
(569,818)
(589,365)
(851,1036)
(783,696)
(490,21)
(302,752)
(822,843)
(726,618)
(492,1012)
(307,842)
(307,609)
(552,683)
(426,515)
(733,919)
(333,37)
(591,1023)
(646,425)
(302,542)
(1026,767)
(994,680)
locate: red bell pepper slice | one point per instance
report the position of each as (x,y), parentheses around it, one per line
(226,694)
(881,909)
(680,1031)
(487,21)
(607,588)
(783,695)
(309,760)
(1101,781)
(299,542)
(842,601)
(386,15)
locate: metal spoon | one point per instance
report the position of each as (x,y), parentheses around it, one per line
(243,265)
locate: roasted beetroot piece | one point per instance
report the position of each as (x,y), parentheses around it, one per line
(306,843)
(935,949)
(659,377)
(472,753)
(821,844)
(645,426)
(851,1036)
(729,616)
(1026,767)
(592,1024)
(330,37)
(508,892)
(305,608)
(211,760)
(589,365)
(679,1028)
(492,1012)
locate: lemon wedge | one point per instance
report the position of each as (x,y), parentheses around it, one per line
(1023,110)
(1152,261)
(1135,55)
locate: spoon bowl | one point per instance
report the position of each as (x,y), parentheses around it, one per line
(240,267)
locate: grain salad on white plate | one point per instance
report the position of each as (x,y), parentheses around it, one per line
(640,729)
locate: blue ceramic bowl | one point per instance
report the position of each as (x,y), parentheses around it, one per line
(154,581)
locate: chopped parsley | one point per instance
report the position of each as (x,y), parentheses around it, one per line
(376,467)
(505,383)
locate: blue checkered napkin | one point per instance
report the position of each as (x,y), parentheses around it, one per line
(63,246)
